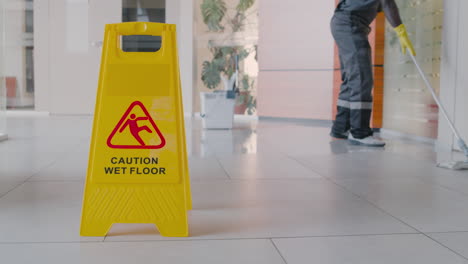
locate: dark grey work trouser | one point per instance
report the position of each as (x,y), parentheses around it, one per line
(355,99)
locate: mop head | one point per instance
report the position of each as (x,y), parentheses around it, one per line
(457,165)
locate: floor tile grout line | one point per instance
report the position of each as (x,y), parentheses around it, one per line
(444,246)
(447,232)
(290,157)
(20,183)
(278,251)
(222,167)
(210,239)
(391,215)
(26,180)
(13,188)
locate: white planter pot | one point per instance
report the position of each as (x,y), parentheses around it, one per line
(217,109)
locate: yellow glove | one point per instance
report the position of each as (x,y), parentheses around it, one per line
(404,39)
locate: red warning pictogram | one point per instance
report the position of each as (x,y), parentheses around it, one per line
(129,123)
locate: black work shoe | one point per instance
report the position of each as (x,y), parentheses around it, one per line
(339,135)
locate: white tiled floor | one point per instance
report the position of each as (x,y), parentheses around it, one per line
(264,192)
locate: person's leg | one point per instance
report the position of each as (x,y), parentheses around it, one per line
(355,53)
(341,125)
(361,83)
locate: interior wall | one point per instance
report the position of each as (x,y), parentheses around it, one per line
(180,12)
(41,56)
(454,89)
(55,91)
(295,59)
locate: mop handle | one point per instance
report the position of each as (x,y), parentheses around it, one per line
(434,95)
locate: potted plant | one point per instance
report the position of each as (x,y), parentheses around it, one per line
(218,108)
(220,72)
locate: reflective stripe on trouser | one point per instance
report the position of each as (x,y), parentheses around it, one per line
(354,105)
(355,99)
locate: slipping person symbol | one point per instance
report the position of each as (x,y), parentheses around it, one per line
(135,129)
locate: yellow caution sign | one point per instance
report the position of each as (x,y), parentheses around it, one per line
(138,169)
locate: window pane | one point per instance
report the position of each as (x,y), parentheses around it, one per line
(143,11)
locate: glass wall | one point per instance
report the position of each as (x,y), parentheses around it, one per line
(19,54)
(408,106)
(144,11)
(226,33)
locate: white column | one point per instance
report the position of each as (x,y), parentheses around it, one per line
(454,89)
(180,12)
(41,56)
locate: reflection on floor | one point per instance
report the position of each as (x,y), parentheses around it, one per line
(265,192)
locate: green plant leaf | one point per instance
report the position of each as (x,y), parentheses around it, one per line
(241,99)
(245,82)
(213,12)
(244,5)
(224,61)
(243,53)
(237,23)
(211,74)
